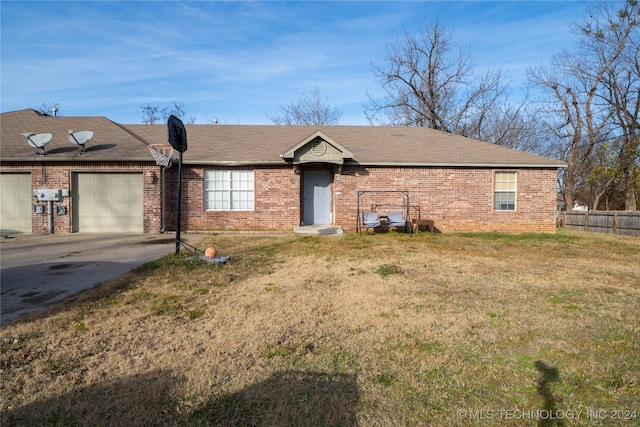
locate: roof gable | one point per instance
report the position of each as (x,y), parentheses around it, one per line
(317,148)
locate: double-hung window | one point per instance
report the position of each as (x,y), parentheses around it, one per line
(228,190)
(505,191)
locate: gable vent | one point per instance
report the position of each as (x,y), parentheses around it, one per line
(319,147)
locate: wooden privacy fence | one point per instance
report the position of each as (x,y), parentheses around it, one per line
(617,222)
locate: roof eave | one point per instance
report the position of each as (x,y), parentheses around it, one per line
(280,162)
(388,164)
(236,163)
(460,165)
(78,158)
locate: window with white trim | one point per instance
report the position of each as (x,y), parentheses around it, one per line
(228,190)
(505,191)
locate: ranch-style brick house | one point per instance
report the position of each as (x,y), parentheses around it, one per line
(264,178)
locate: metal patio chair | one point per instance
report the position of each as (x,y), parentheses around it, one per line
(370,220)
(396,220)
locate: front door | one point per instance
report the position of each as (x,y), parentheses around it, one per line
(317,203)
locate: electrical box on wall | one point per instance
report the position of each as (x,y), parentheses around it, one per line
(61,210)
(48,195)
(38,209)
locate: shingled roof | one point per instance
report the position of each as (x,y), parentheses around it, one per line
(259,144)
(110,142)
(369,145)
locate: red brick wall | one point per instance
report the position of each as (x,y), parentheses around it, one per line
(59,176)
(457,199)
(276,196)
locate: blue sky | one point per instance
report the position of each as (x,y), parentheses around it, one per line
(238,61)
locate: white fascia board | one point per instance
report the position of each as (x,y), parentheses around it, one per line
(464,165)
(389,164)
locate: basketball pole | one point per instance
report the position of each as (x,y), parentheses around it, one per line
(178,241)
(177,136)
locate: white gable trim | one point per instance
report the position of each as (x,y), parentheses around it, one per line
(317,148)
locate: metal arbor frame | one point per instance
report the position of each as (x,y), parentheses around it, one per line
(407,208)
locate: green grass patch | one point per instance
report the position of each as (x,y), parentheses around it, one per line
(61,365)
(387,315)
(385,379)
(164,305)
(526,238)
(273,351)
(388,269)
(345,362)
(195,314)
(270,287)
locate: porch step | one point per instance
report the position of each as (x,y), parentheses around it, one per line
(323,230)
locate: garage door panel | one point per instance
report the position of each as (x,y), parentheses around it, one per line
(110,224)
(16,203)
(110,202)
(101,193)
(121,210)
(10,210)
(120,181)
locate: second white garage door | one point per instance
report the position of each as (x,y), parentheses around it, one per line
(108,203)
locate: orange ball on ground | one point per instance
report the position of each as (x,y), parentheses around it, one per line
(211,252)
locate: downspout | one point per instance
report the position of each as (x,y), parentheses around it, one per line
(335,202)
(162,209)
(50,215)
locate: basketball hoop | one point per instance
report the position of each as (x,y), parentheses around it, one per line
(162,153)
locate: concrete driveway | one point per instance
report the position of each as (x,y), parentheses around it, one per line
(40,270)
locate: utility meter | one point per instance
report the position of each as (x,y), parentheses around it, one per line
(48,195)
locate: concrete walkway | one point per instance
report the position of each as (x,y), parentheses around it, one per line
(318,230)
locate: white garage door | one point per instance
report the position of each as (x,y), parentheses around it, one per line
(15,203)
(108,203)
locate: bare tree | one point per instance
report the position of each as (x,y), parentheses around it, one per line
(571,118)
(309,109)
(152,114)
(428,82)
(621,85)
(577,114)
(604,173)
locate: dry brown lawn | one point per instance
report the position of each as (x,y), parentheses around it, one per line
(371,330)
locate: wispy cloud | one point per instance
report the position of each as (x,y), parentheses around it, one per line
(237,61)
